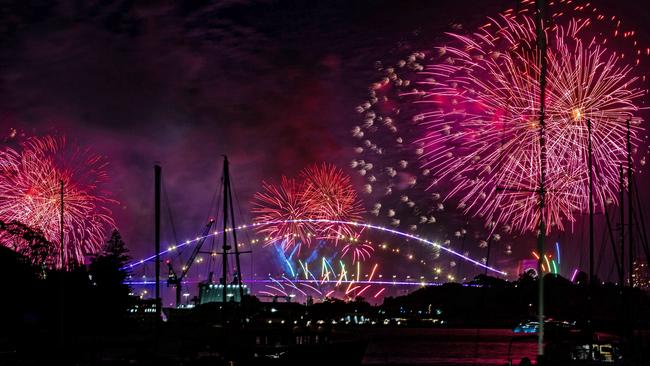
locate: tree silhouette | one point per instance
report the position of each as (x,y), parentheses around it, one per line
(29,242)
(107,276)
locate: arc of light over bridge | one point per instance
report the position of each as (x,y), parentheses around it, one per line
(325,221)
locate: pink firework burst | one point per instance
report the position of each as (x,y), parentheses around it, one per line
(30,193)
(322,193)
(481,112)
(330,195)
(277,205)
(461,121)
(359,250)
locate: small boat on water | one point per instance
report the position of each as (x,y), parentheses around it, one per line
(584,348)
(567,344)
(552,325)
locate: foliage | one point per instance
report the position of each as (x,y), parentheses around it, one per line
(107,277)
(29,242)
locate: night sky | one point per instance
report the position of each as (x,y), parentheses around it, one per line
(273,84)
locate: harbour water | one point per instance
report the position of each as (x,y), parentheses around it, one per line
(441,346)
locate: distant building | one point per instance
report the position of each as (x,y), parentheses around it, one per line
(211,292)
(641,275)
(142,309)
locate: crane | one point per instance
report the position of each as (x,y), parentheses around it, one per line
(175,280)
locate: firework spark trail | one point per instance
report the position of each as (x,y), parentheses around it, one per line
(357,249)
(355,287)
(30,188)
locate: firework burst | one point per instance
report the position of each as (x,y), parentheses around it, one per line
(278,204)
(330,195)
(359,250)
(30,193)
(483,135)
(475,103)
(322,193)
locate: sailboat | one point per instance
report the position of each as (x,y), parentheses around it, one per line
(228,325)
